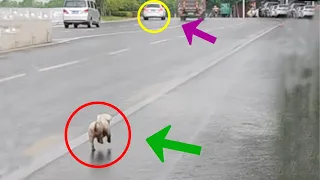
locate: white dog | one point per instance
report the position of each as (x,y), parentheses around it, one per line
(99,129)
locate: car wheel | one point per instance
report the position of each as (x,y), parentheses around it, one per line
(90,24)
(183,18)
(66,25)
(145,18)
(163,18)
(98,23)
(75,25)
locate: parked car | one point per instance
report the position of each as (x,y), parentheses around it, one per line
(154,10)
(272,11)
(306,11)
(295,13)
(280,10)
(293,9)
(78,12)
(264,11)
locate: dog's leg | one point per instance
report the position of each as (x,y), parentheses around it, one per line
(92,143)
(109,137)
(100,139)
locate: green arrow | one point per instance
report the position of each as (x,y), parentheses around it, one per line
(158,142)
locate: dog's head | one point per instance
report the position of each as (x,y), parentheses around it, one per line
(104,117)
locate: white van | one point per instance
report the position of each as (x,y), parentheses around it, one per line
(81,12)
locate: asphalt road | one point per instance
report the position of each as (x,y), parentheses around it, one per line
(109,27)
(230,109)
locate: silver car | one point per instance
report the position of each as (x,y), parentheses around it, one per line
(154,10)
(78,12)
(281,10)
(306,11)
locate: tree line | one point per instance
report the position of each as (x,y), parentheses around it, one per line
(107,7)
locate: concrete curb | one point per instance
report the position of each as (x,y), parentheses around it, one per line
(33,46)
(103,22)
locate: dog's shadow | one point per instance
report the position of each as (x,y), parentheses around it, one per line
(100,157)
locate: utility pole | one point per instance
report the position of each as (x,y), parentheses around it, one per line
(243,8)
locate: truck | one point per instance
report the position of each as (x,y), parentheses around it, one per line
(191,9)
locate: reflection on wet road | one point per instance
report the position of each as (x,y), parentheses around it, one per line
(228,98)
(101,157)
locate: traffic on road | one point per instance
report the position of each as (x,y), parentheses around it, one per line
(201,95)
(267,9)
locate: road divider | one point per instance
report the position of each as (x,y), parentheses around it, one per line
(22,33)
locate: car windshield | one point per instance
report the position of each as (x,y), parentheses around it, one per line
(299,5)
(153,6)
(272,4)
(309,7)
(283,6)
(75,4)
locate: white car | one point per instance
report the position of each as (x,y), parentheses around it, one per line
(293,9)
(280,10)
(81,12)
(272,11)
(306,11)
(154,10)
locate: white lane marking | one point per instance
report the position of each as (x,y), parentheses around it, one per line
(54,153)
(117,52)
(58,66)
(100,35)
(86,29)
(136,24)
(170,27)
(77,38)
(157,42)
(103,22)
(12,77)
(123,26)
(210,30)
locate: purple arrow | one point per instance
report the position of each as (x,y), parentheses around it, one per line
(190,29)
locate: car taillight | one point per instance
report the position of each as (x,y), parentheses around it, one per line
(145,9)
(86,10)
(65,12)
(160,9)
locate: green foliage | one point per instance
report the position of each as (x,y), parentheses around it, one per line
(7,3)
(112,6)
(54,4)
(122,13)
(123,8)
(27,3)
(172,5)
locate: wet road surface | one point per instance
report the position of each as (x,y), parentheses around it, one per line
(231,109)
(60,33)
